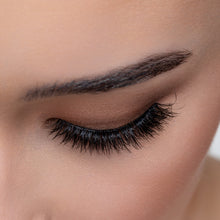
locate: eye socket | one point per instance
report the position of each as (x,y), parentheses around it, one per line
(117,139)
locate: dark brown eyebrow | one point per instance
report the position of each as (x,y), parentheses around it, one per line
(143,70)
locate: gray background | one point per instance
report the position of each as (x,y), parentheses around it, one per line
(215,147)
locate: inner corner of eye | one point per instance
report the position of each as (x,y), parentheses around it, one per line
(48,121)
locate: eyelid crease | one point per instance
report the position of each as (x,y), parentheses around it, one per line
(101,125)
(144,127)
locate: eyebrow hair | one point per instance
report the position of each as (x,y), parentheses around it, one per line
(143,70)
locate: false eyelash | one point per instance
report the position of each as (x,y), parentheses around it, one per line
(118,139)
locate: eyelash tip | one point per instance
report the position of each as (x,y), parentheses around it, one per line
(114,140)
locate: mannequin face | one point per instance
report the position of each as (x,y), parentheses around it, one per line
(43,43)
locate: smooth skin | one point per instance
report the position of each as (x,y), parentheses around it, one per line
(171,177)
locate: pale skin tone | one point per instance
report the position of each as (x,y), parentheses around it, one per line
(171,177)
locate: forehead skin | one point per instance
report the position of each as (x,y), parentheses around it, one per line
(66,39)
(43,41)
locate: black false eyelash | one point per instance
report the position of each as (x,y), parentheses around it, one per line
(118,139)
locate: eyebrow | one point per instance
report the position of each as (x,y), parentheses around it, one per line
(143,70)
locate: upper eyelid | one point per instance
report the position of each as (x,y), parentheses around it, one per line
(110,130)
(117,139)
(46,123)
(116,129)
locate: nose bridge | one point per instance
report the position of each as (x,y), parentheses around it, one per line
(5,185)
(7,168)
(5,155)
(12,182)
(5,172)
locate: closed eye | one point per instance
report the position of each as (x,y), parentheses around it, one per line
(117,139)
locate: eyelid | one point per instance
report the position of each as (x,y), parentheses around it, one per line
(113,123)
(106,111)
(144,127)
(136,115)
